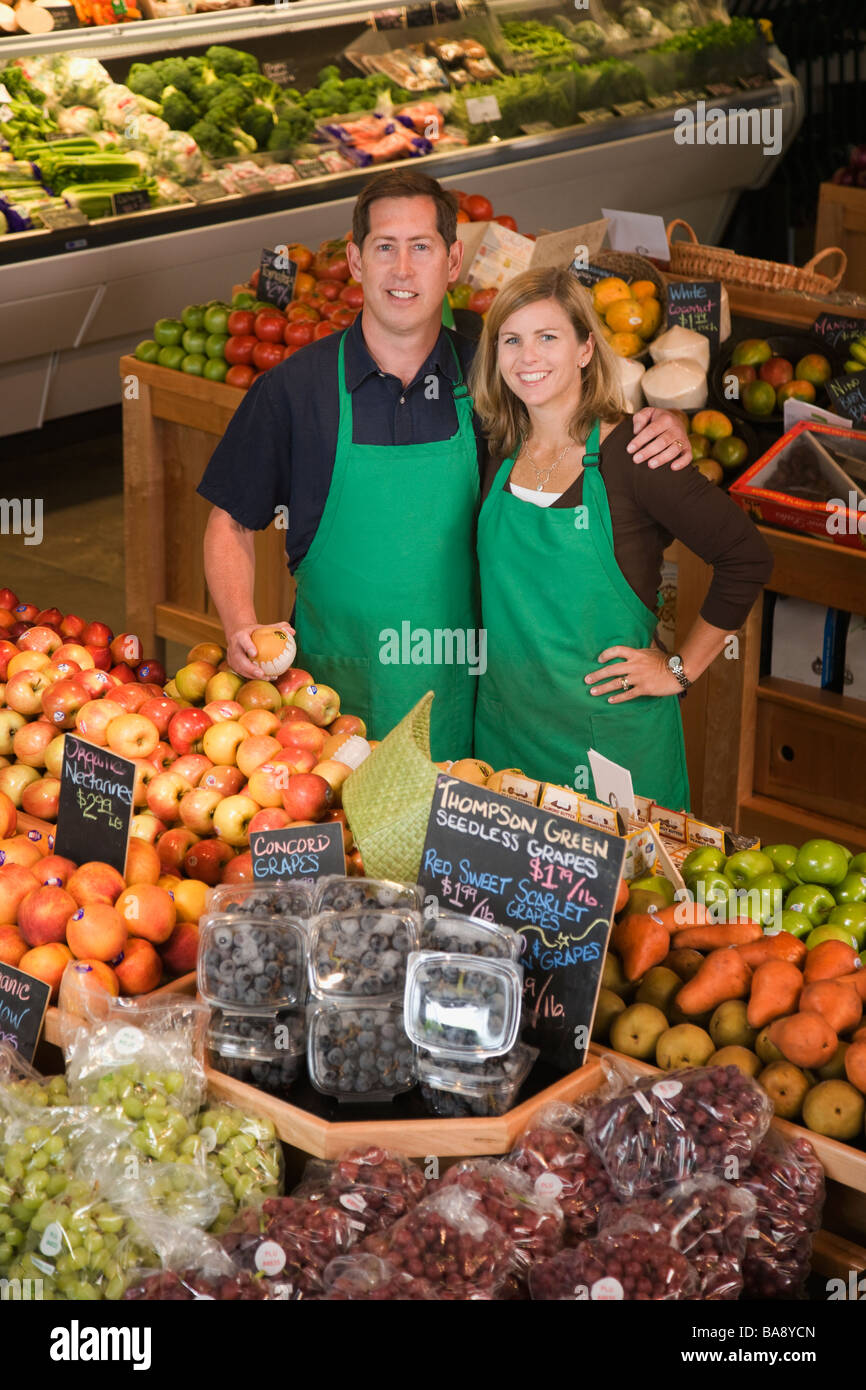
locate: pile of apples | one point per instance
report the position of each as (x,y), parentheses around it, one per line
(775,988)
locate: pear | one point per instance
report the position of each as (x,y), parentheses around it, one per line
(677,1016)
(684,1046)
(787,1086)
(729,1026)
(636,1031)
(734,1056)
(606,1010)
(836,1109)
(612,976)
(766,1050)
(684,962)
(658,987)
(834,1070)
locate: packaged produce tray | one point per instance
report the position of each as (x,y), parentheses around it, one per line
(826,454)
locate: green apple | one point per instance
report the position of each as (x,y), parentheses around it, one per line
(192,317)
(813,900)
(171,356)
(711,888)
(797,923)
(746,865)
(783,857)
(851,917)
(704,860)
(857,865)
(828,933)
(770,890)
(193,341)
(168,332)
(852,889)
(821,861)
(655,883)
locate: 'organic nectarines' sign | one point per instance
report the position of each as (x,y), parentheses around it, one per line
(551,879)
(298,851)
(23,1001)
(95,809)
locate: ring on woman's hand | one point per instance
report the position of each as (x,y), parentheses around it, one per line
(624,683)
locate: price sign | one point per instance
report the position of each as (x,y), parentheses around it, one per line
(133,200)
(310,168)
(279,72)
(595,115)
(303,851)
(838,330)
(481,109)
(536,127)
(276,278)
(697,304)
(549,878)
(848,394)
(632,108)
(590,274)
(95,808)
(206,190)
(62,217)
(23,1001)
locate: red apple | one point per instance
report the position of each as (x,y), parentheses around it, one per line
(239,869)
(97,635)
(18,629)
(8,599)
(186,730)
(126,648)
(145,771)
(42,799)
(159,711)
(28,661)
(290,715)
(148,827)
(153,692)
(96,683)
(211,652)
(10,722)
(26,613)
(260,695)
(267,784)
(100,656)
(8,650)
(40,639)
(54,756)
(307,796)
(93,719)
(180,953)
(197,810)
(270,818)
(130,695)
(74,651)
(191,680)
(163,756)
(151,672)
(254,751)
(164,795)
(226,780)
(29,745)
(207,860)
(232,819)
(219,710)
(221,741)
(192,766)
(348,724)
(321,702)
(43,914)
(172,847)
(132,736)
(223,685)
(25,692)
(71,627)
(301,734)
(14,779)
(292,680)
(62,701)
(261,723)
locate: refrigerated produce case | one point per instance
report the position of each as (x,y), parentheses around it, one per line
(72,299)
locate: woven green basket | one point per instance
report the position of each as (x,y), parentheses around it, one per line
(388,799)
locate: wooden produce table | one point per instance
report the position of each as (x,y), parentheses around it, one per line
(842,222)
(172,422)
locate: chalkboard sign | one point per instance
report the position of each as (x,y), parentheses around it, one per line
(132,200)
(299,851)
(590,274)
(551,879)
(848,394)
(837,330)
(23,1001)
(697,304)
(95,808)
(276,278)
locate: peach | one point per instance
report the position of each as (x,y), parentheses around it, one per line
(140,969)
(142,862)
(12,945)
(148,911)
(96,931)
(54,870)
(93,975)
(95,882)
(21,850)
(16,881)
(8,816)
(180,953)
(47,963)
(43,915)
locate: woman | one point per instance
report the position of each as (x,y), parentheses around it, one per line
(570,542)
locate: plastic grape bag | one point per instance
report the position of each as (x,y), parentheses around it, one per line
(451,1241)
(637,1264)
(661,1130)
(243,1152)
(562,1167)
(22,1085)
(376,1187)
(706,1219)
(193,1266)
(366,1278)
(787,1181)
(189,1194)
(533,1222)
(289,1241)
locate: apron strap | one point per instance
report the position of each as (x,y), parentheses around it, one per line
(592,456)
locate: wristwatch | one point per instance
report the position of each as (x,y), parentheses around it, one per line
(675,666)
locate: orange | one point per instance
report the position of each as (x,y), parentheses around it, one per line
(651,317)
(626,344)
(644,289)
(624,315)
(605,292)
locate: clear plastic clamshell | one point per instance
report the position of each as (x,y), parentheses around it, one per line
(361,954)
(359,1053)
(255,964)
(463,1006)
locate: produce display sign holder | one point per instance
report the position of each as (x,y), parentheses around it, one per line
(849,394)
(276,282)
(95,808)
(796,513)
(697,304)
(303,852)
(553,881)
(492,250)
(838,330)
(23,1001)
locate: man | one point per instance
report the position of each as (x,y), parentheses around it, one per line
(370,439)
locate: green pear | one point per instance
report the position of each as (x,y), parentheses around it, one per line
(734,1056)
(766,1050)
(636,1031)
(787,1087)
(658,987)
(729,1026)
(834,1070)
(613,977)
(606,1010)
(836,1109)
(677,1016)
(684,1046)
(684,962)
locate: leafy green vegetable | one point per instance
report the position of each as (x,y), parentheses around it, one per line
(230,62)
(177,109)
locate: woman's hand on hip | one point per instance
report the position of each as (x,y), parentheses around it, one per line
(659,439)
(643,669)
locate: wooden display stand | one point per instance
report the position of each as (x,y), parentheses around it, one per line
(842,222)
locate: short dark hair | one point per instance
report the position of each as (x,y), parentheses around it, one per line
(406,183)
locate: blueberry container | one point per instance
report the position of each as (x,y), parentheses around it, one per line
(361,954)
(460,1006)
(469,936)
(337,893)
(252,963)
(262,899)
(264,1050)
(359,1053)
(454,1089)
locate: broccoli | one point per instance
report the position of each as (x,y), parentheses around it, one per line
(260,87)
(177,109)
(145,81)
(328,74)
(230,62)
(206,89)
(293,126)
(220,142)
(258,121)
(182,73)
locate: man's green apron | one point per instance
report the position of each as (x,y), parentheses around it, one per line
(553,598)
(388,591)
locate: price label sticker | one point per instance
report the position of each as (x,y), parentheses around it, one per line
(129,1041)
(608,1290)
(270,1257)
(548,1186)
(666,1090)
(62,217)
(481,109)
(52,1239)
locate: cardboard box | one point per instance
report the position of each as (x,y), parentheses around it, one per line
(822,450)
(493,255)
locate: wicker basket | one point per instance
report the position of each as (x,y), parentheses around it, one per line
(628,267)
(718,263)
(388,799)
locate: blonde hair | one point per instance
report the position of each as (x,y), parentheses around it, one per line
(503,415)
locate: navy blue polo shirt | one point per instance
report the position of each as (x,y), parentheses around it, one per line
(280,444)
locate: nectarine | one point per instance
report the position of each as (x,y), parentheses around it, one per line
(96,931)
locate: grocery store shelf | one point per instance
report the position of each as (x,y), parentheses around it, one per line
(783,822)
(840,709)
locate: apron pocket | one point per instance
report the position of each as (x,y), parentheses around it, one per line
(348,675)
(647,738)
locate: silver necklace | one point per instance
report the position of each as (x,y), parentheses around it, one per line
(542,474)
